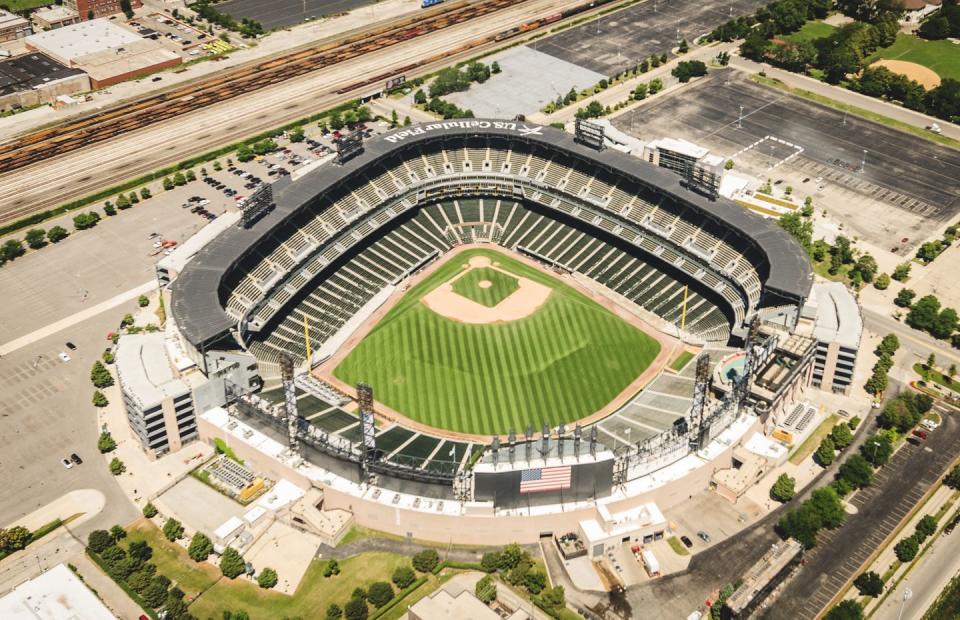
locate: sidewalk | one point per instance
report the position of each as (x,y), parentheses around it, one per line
(85,502)
(109,592)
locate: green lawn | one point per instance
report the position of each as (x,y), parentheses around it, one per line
(813,441)
(172,559)
(565,361)
(20,5)
(681,361)
(499,286)
(311,599)
(811,31)
(677,546)
(941,56)
(938,377)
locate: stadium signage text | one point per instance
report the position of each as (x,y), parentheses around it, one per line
(521,128)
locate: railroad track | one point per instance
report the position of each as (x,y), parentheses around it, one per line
(57,140)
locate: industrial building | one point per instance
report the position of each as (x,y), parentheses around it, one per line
(53,17)
(13,27)
(107,52)
(57,593)
(33,79)
(832,317)
(91,9)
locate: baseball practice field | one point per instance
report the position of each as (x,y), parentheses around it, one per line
(487,343)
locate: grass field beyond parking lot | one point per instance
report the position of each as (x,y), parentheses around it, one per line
(563,362)
(943,57)
(810,32)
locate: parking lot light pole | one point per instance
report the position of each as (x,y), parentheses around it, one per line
(863,162)
(907,593)
(740,119)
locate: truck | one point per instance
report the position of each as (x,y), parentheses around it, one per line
(650,563)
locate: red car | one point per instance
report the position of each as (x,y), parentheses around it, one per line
(919,433)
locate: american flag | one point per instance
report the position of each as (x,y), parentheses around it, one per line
(545,479)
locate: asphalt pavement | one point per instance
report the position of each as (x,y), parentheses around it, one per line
(273,14)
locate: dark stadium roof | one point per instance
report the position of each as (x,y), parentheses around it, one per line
(197,306)
(31,70)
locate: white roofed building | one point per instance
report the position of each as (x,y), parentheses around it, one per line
(832,317)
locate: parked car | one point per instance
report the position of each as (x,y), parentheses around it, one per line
(686,542)
(703,536)
(66,463)
(64,357)
(919,434)
(71,346)
(76,459)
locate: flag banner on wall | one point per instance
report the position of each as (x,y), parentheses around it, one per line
(545,479)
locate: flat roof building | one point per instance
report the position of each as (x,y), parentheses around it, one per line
(464,606)
(54,595)
(159,404)
(831,316)
(643,524)
(107,52)
(36,78)
(53,17)
(98,8)
(13,27)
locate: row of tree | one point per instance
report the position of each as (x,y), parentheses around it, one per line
(379,593)
(926,314)
(245,26)
(942,23)
(879,379)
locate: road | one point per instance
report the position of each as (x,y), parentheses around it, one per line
(915,342)
(927,579)
(55,181)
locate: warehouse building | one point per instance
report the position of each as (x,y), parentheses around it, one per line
(33,79)
(107,52)
(13,27)
(53,17)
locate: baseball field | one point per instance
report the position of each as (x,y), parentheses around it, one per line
(447,356)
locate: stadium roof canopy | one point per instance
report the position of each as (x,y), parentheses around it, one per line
(197,305)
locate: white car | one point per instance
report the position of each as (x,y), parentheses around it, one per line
(64,357)
(66,463)
(930,425)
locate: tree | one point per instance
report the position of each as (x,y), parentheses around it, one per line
(268,578)
(945,324)
(133,198)
(83,221)
(889,345)
(99,399)
(117,467)
(57,234)
(155,593)
(783,489)
(866,266)
(380,593)
(149,511)
(406,121)
(486,590)
(869,584)
(841,436)
(491,559)
(191,176)
(845,610)
(355,609)
(403,576)
(901,272)
(825,502)
(554,597)
(140,550)
(123,202)
(907,549)
(109,210)
(655,86)
(99,540)
(495,67)
(296,135)
(232,563)
(173,530)
(535,581)
(168,184)
(877,449)
(926,526)
(877,383)
(687,69)
(145,193)
(904,298)
(200,547)
(924,313)
(426,560)
(179,179)
(36,238)
(825,453)
(118,533)
(126,8)
(332,568)
(334,612)
(800,228)
(106,443)
(857,471)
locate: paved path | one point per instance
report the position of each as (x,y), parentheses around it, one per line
(110,593)
(76,318)
(843,95)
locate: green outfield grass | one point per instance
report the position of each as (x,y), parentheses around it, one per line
(501,286)
(943,57)
(564,362)
(811,31)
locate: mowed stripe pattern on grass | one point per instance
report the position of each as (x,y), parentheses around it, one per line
(560,364)
(501,286)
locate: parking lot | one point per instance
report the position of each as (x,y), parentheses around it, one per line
(907,186)
(273,14)
(624,38)
(173,34)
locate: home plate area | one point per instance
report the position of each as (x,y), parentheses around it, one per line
(483,293)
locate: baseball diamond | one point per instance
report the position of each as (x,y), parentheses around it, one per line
(564,361)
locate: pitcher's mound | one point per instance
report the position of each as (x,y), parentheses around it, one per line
(484,283)
(927,78)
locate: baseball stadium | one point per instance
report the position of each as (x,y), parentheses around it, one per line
(442,319)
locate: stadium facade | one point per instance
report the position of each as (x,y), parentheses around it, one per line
(340,239)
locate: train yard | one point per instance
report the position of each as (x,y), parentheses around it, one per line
(58,139)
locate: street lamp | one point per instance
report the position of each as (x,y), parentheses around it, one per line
(907,593)
(740,119)
(863,162)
